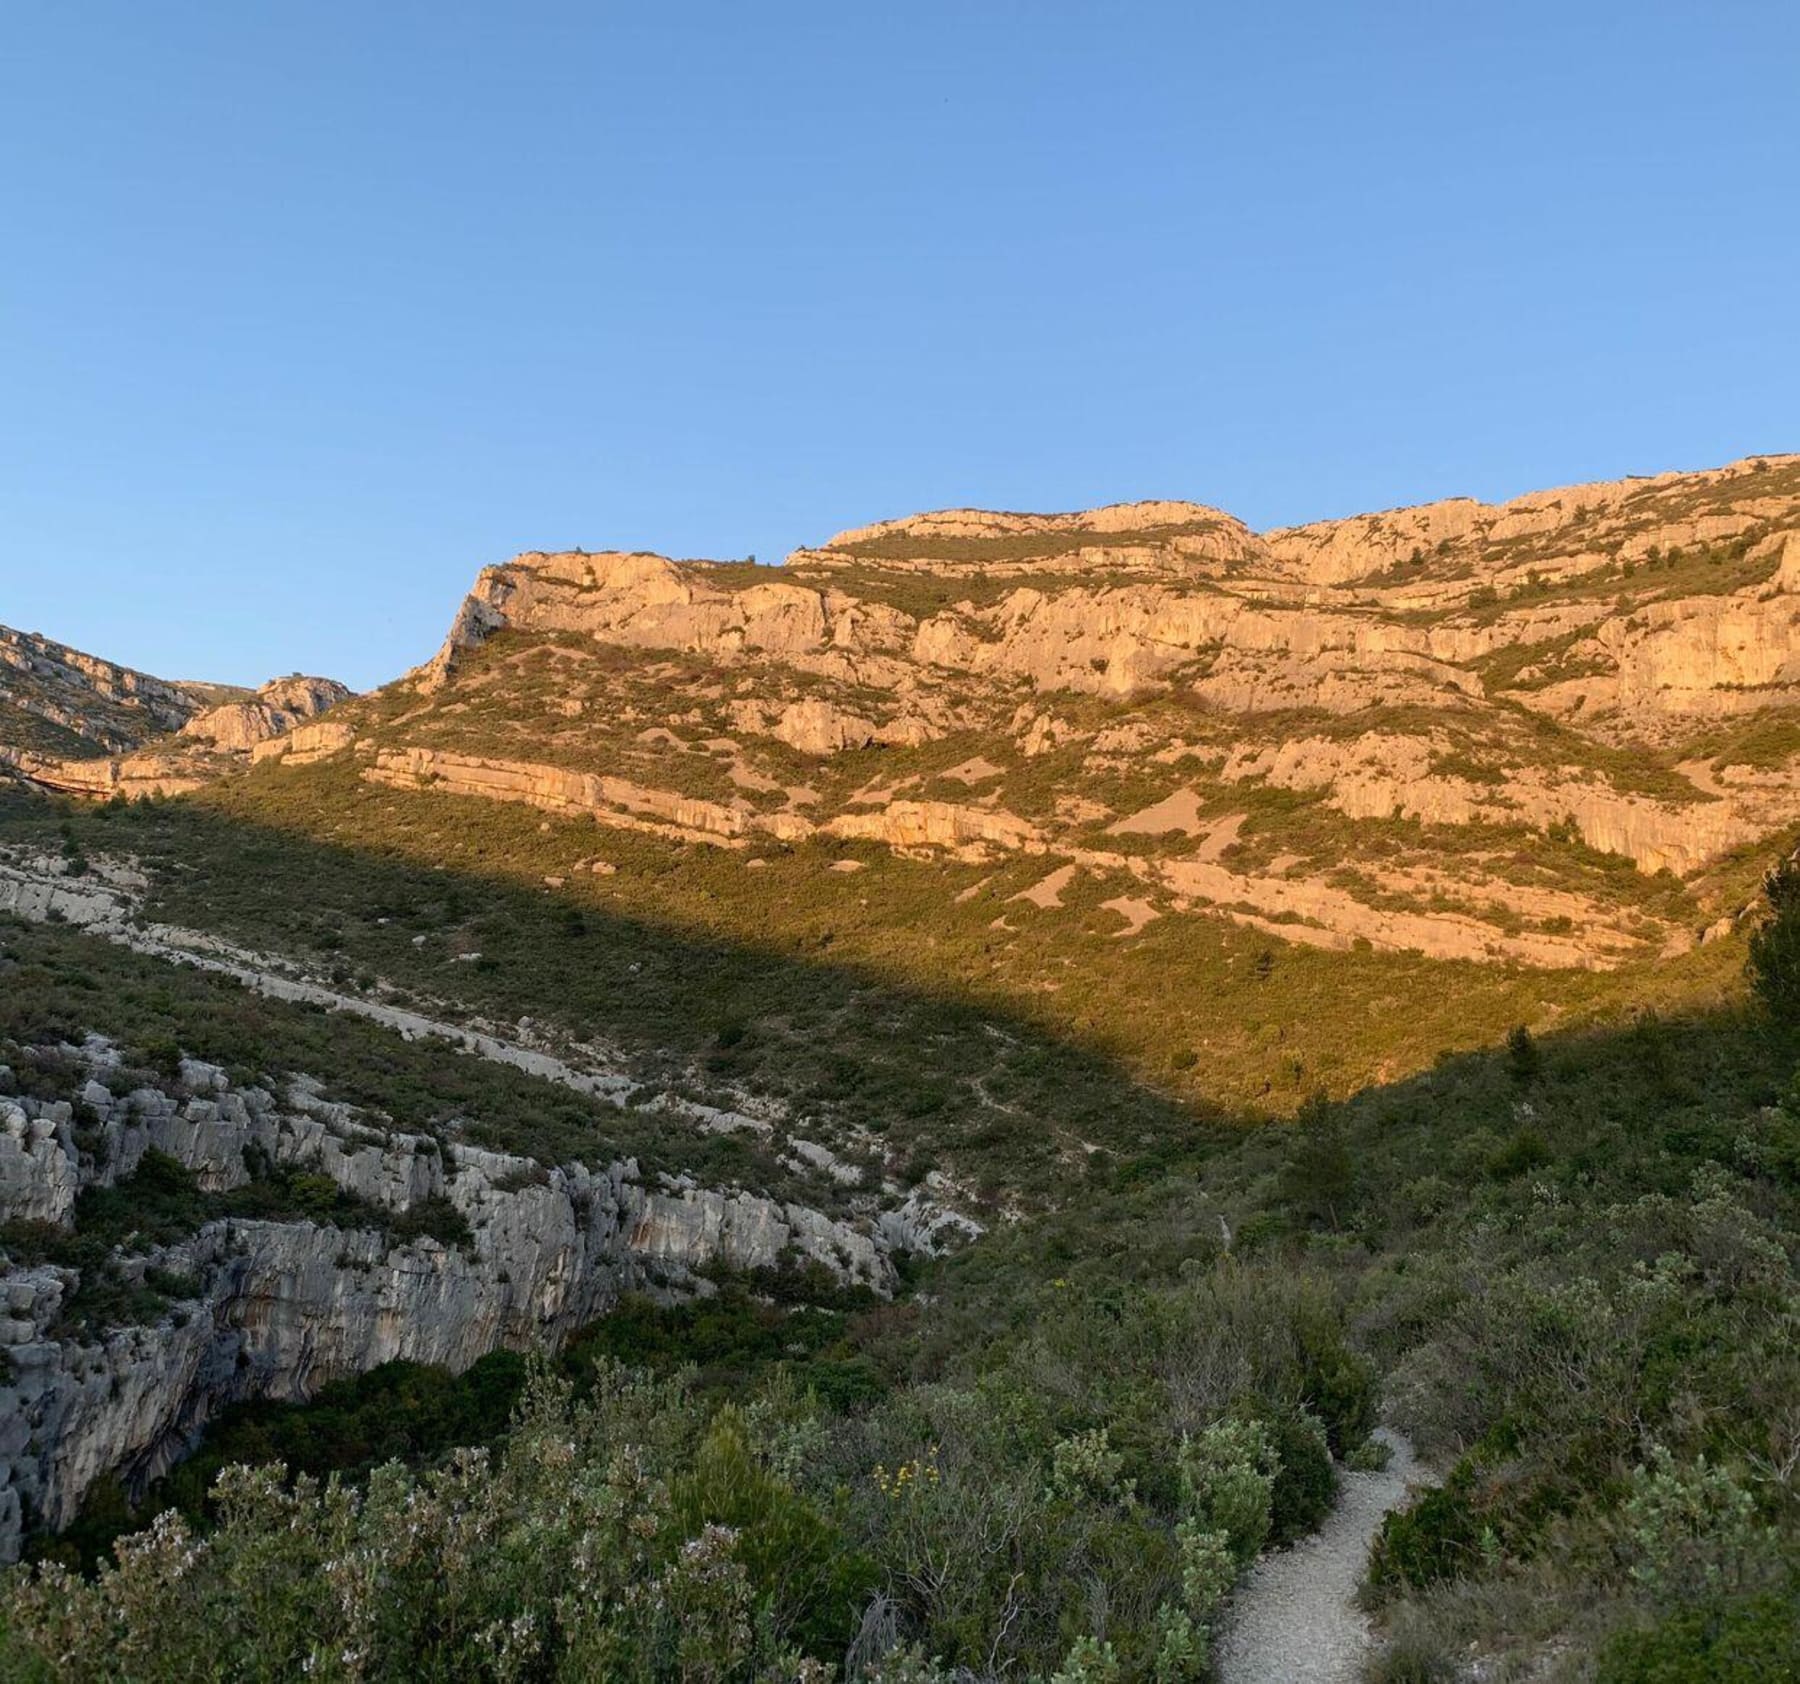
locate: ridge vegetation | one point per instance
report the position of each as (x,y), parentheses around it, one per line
(1570,1261)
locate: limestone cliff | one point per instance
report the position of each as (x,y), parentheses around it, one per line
(57,699)
(1606,670)
(277,1309)
(276,709)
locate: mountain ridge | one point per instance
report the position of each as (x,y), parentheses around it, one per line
(1297,730)
(81,724)
(1159,698)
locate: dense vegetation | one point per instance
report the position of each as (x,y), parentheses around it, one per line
(1080,1494)
(1565,1264)
(824,1338)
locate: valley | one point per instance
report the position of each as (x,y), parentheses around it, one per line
(1018,1040)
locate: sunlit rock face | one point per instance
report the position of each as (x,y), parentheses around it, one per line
(277,708)
(1422,729)
(79,725)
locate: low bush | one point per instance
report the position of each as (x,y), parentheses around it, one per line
(1755,1641)
(1305,1480)
(1436,1538)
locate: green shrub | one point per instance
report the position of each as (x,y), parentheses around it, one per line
(1748,1642)
(1436,1539)
(1692,1530)
(798,1563)
(1413,1658)
(435,1217)
(1526,1151)
(1305,1481)
(1373,1455)
(1338,1384)
(562,1558)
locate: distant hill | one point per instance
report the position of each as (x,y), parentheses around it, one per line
(79,723)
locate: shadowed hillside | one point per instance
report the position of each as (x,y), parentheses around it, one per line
(790,982)
(1565,1263)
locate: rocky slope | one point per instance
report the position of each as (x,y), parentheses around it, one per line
(78,703)
(1427,730)
(276,1309)
(262,1308)
(75,723)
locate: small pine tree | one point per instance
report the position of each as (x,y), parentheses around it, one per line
(1775,948)
(1522,1055)
(1318,1181)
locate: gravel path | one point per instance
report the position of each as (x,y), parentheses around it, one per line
(1293,1620)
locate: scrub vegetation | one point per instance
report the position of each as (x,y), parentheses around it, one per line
(1565,1266)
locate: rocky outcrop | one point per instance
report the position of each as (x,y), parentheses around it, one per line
(1147,540)
(275,709)
(87,727)
(112,708)
(306,743)
(39,1177)
(133,776)
(277,1309)
(1317,914)
(1659,666)
(1655,512)
(1656,834)
(1165,520)
(956,827)
(1306,617)
(820,728)
(1381,775)
(613,801)
(639,601)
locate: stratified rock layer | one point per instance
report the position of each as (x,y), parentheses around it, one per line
(277,1309)
(1420,730)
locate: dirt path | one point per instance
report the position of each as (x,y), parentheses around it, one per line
(1294,1620)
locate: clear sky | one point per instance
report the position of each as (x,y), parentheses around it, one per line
(307,311)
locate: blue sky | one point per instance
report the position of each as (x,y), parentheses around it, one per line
(309,311)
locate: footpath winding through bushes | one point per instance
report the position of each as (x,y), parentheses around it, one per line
(1294,1620)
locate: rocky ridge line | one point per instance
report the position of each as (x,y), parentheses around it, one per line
(148,736)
